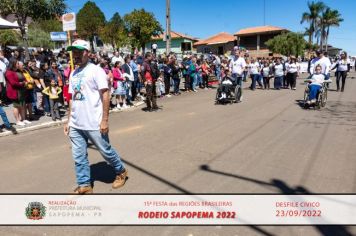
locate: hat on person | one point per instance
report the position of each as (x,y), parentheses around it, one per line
(79,44)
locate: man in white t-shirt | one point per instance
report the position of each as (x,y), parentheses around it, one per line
(323,61)
(117,57)
(89,117)
(3,65)
(325,64)
(237,67)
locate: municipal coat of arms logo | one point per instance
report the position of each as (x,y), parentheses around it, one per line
(35,211)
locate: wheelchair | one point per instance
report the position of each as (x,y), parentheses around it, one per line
(232,95)
(322,95)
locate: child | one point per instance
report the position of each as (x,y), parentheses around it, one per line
(161,88)
(316,82)
(119,84)
(53,91)
(66,94)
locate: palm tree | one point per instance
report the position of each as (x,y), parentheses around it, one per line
(329,18)
(308,32)
(315,8)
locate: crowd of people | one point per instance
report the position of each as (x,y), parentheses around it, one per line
(39,86)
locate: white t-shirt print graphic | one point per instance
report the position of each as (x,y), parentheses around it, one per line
(77,87)
(87,107)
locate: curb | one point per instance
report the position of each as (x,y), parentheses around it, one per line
(53,123)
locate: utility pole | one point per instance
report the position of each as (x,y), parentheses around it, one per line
(168,27)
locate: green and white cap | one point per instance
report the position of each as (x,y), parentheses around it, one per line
(79,44)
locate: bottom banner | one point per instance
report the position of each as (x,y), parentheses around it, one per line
(178,210)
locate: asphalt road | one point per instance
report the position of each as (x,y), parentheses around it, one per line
(266,144)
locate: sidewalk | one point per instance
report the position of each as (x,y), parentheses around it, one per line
(44,121)
(41,122)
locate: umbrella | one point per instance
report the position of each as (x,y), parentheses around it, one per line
(4,24)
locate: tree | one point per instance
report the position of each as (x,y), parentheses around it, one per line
(311,47)
(315,8)
(329,18)
(288,44)
(90,20)
(308,32)
(114,32)
(142,26)
(36,9)
(39,38)
(52,25)
(8,37)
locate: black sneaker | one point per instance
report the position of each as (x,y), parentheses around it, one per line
(147,109)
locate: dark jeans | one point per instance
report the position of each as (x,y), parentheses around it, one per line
(266,82)
(245,76)
(34,99)
(341,75)
(284,81)
(135,86)
(193,80)
(255,78)
(187,82)
(54,108)
(151,95)
(205,81)
(3,93)
(176,85)
(278,82)
(47,105)
(167,84)
(237,81)
(292,79)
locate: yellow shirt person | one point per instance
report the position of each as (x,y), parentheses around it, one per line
(52,91)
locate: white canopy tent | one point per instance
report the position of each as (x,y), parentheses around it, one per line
(4,24)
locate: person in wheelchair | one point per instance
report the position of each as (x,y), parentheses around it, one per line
(226,85)
(315,84)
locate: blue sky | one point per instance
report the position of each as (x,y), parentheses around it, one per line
(203,18)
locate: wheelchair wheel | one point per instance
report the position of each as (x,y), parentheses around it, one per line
(324,97)
(217,100)
(306,97)
(319,101)
(238,93)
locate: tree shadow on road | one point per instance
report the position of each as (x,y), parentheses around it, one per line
(284,188)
